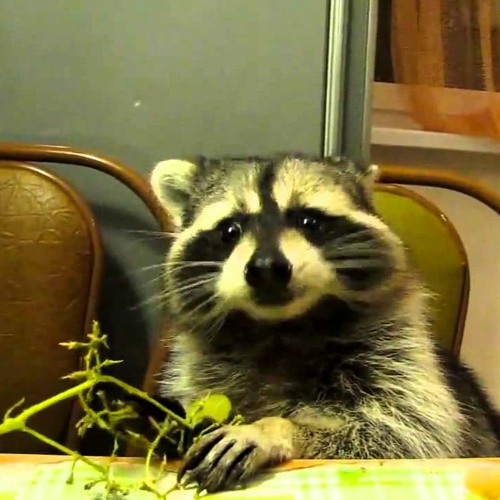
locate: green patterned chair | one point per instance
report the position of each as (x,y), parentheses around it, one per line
(432,241)
(436,251)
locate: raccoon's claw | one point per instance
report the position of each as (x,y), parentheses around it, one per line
(225,458)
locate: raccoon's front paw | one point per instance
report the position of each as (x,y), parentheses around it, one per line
(225,458)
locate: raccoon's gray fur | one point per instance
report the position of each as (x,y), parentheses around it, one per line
(287,293)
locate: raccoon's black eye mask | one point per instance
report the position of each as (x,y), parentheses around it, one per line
(320,228)
(309,220)
(317,226)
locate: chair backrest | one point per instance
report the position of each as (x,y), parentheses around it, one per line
(50,258)
(436,252)
(432,240)
(50,268)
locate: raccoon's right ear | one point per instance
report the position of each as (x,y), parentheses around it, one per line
(172,181)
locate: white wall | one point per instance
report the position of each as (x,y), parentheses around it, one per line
(479,228)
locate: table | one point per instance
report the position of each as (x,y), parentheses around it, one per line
(42,477)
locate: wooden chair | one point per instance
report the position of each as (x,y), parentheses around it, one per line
(50,269)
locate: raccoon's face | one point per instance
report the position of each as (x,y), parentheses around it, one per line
(272,238)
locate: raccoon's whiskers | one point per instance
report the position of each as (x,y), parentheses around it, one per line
(357,263)
(341,253)
(208,323)
(357,250)
(186,281)
(179,265)
(193,279)
(153,234)
(362,235)
(156,278)
(183,289)
(186,287)
(148,268)
(176,266)
(216,325)
(193,313)
(213,318)
(195,262)
(359,254)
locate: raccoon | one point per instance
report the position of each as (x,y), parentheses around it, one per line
(289,294)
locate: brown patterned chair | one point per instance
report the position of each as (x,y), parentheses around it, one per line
(50,272)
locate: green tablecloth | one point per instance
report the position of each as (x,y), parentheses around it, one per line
(325,482)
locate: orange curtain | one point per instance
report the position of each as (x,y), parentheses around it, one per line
(446,53)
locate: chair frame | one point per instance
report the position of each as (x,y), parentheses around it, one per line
(68,156)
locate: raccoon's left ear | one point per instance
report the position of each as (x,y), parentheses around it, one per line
(368,175)
(172,181)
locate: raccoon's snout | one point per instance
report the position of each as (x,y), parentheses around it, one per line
(268,270)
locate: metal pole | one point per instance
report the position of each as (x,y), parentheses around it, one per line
(335,65)
(349,76)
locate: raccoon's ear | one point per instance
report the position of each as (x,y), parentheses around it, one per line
(371,176)
(368,176)
(172,181)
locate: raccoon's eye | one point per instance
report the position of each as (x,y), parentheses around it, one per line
(309,221)
(230,231)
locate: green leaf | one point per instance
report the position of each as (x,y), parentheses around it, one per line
(79,375)
(74,345)
(214,406)
(111,362)
(9,412)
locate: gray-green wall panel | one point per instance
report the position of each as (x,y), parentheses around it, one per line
(144,80)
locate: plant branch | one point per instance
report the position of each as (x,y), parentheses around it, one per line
(18,422)
(141,394)
(65,450)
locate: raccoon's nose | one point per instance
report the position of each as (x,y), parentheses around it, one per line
(264,270)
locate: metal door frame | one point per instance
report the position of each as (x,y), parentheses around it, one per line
(350,63)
